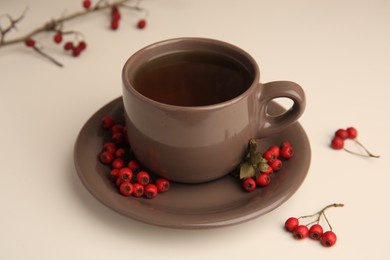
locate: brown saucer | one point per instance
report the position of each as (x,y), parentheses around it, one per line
(192,206)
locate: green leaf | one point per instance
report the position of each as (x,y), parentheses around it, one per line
(246,170)
(263,166)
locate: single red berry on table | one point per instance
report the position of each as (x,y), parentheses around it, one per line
(30,43)
(276,165)
(133,165)
(68,46)
(106,121)
(143,177)
(291,224)
(287,152)
(106,157)
(76,52)
(141,24)
(337,143)
(126,188)
(114,24)
(270,156)
(249,184)
(117,163)
(87,4)
(301,232)
(352,132)
(163,185)
(125,174)
(263,180)
(138,190)
(82,45)
(57,38)
(150,191)
(115,14)
(342,133)
(109,147)
(328,239)
(315,231)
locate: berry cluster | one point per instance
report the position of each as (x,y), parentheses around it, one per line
(125,171)
(341,135)
(313,229)
(262,168)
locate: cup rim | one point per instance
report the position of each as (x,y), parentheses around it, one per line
(127,82)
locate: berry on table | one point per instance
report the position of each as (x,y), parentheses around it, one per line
(328,239)
(291,224)
(150,191)
(342,133)
(315,231)
(68,46)
(30,43)
(352,132)
(300,232)
(87,4)
(337,143)
(57,38)
(141,24)
(126,188)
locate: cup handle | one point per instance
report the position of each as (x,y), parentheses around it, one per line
(277,89)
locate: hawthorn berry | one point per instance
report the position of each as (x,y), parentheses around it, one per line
(57,38)
(125,174)
(300,232)
(126,188)
(275,150)
(315,232)
(82,45)
(141,24)
(113,174)
(352,132)
(87,4)
(287,152)
(117,163)
(106,121)
(337,143)
(68,46)
(285,143)
(76,52)
(270,156)
(133,165)
(276,165)
(143,177)
(117,138)
(342,133)
(109,147)
(163,185)
(120,152)
(30,43)
(249,184)
(115,14)
(114,24)
(269,170)
(106,157)
(328,239)
(291,224)
(138,190)
(117,128)
(263,180)
(150,191)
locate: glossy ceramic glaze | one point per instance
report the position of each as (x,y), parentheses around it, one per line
(202,143)
(192,206)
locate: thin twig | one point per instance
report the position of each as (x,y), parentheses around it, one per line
(47,56)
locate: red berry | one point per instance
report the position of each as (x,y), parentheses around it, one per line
(337,143)
(120,152)
(115,14)
(328,239)
(276,165)
(352,132)
(57,38)
(249,184)
(141,24)
(342,133)
(315,231)
(270,156)
(287,152)
(285,143)
(109,147)
(125,174)
(143,177)
(163,185)
(133,165)
(150,191)
(117,163)
(275,150)
(106,157)
(138,190)
(87,4)
(82,45)
(117,138)
(107,122)
(68,46)
(114,24)
(126,188)
(113,175)
(291,224)
(30,43)
(117,128)
(263,180)
(301,232)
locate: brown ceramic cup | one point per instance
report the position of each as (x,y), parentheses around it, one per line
(198,142)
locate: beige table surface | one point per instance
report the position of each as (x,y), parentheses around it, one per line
(339,51)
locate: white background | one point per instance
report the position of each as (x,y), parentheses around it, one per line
(338,50)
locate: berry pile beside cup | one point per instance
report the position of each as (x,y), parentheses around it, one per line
(126,172)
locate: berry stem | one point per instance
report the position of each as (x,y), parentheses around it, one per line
(365,149)
(322,212)
(47,56)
